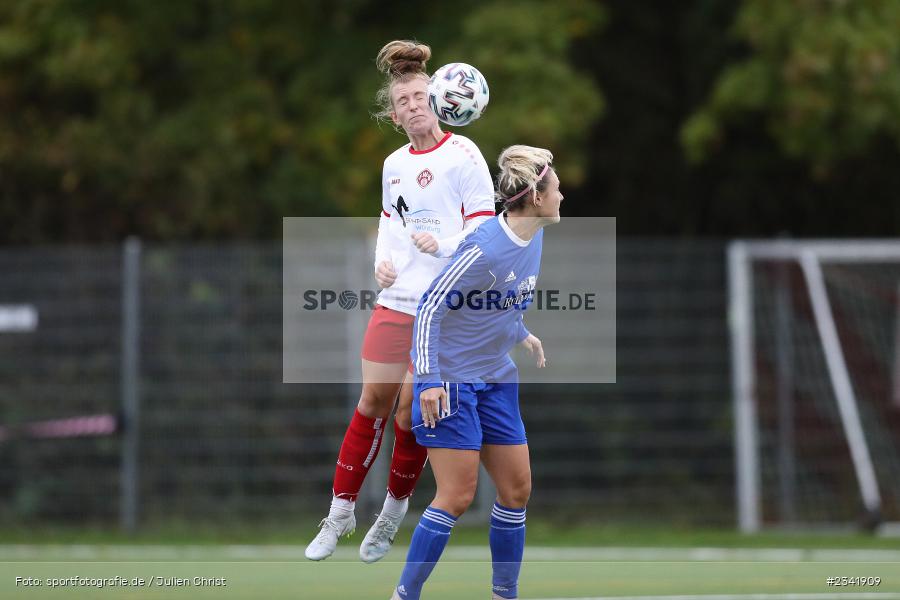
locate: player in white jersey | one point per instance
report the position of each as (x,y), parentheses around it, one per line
(425,194)
(435,191)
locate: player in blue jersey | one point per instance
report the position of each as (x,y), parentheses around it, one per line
(465,382)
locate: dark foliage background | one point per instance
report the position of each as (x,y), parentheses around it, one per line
(203,120)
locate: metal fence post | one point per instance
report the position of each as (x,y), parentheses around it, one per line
(130,382)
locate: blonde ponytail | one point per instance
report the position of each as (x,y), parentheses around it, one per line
(523,171)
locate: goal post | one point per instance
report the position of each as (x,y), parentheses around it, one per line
(806,417)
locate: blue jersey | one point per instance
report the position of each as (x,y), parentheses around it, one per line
(471,316)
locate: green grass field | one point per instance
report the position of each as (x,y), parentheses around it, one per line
(586,562)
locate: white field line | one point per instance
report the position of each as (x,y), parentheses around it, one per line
(206,553)
(810,596)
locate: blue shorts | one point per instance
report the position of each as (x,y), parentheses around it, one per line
(480,413)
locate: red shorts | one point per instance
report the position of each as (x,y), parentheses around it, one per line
(388,337)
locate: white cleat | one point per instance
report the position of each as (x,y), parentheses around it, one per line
(395,595)
(331,529)
(496,597)
(380,538)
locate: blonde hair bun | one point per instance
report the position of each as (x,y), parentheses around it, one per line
(403,56)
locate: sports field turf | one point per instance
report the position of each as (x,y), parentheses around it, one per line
(682,567)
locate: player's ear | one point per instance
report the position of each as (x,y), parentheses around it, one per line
(394,118)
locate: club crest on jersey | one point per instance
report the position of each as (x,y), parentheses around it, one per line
(424,178)
(527,285)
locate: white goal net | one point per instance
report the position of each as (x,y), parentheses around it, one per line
(815,332)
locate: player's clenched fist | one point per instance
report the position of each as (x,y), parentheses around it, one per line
(425,242)
(385,275)
(435,403)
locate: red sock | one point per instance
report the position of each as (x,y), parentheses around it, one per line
(359,450)
(407,463)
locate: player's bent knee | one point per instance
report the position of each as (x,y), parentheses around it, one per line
(374,405)
(403,418)
(456,503)
(515,496)
(457,506)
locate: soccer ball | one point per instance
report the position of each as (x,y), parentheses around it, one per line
(458,94)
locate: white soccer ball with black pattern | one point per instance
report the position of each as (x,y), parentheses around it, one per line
(458,94)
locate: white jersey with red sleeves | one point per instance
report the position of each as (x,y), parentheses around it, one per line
(434,191)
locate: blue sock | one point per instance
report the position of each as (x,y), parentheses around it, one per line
(425,550)
(507,545)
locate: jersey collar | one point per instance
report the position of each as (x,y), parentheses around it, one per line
(509,232)
(433,148)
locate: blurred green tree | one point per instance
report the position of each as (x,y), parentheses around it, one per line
(825,75)
(212,120)
(657,63)
(538,98)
